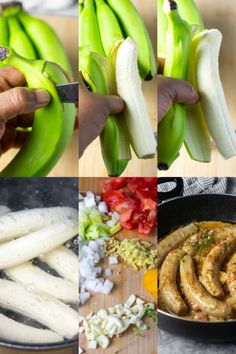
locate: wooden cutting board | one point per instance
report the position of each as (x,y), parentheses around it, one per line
(220,15)
(126,282)
(66,29)
(136,167)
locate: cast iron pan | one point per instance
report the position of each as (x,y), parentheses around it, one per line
(23,193)
(176,212)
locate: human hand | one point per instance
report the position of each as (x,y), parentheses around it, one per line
(17,104)
(173,90)
(94,110)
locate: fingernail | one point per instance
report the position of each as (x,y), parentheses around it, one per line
(42,98)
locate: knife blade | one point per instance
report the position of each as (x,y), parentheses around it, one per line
(68,93)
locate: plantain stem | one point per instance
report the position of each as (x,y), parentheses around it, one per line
(9,5)
(173,5)
(3,53)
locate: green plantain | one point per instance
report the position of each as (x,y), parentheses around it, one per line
(134,27)
(97,73)
(162,25)
(45,40)
(53,125)
(190,13)
(108,25)
(3,31)
(171,130)
(89,34)
(19,40)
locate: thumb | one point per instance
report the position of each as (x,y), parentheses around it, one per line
(20,100)
(115,104)
(182,92)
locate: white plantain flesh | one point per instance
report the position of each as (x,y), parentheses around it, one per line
(14,331)
(65,262)
(39,306)
(35,244)
(136,114)
(211,92)
(19,223)
(39,279)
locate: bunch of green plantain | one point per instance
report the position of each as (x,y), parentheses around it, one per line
(191,53)
(29,36)
(105,28)
(104,22)
(30,45)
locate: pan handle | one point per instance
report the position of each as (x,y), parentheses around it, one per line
(177,191)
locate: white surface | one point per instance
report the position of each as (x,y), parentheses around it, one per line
(169,344)
(50,7)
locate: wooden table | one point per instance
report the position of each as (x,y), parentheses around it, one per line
(66,28)
(91,163)
(72,350)
(126,283)
(220,15)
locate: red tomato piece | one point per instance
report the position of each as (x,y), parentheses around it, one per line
(152,215)
(115,183)
(126,219)
(151,180)
(148,204)
(128,203)
(113,198)
(137,184)
(135,199)
(144,228)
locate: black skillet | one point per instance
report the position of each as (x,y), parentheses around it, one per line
(23,193)
(180,210)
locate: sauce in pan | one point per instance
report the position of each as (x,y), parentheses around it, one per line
(197,271)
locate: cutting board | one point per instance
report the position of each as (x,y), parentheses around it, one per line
(66,28)
(126,282)
(220,15)
(136,167)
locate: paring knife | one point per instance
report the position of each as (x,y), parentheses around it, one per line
(68,93)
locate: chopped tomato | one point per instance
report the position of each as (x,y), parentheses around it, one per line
(137,216)
(128,203)
(135,199)
(149,193)
(126,219)
(152,215)
(140,184)
(145,228)
(148,204)
(113,183)
(113,198)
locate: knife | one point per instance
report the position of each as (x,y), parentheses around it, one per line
(68,93)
